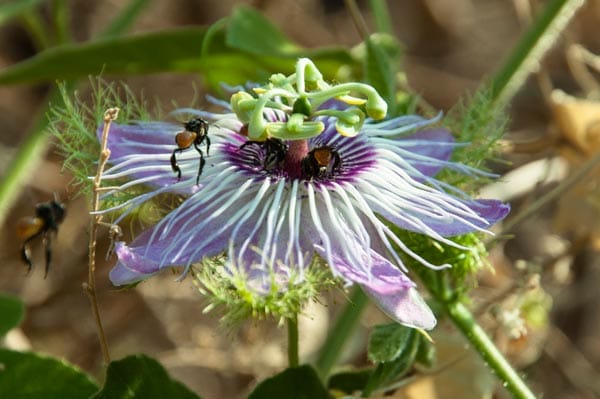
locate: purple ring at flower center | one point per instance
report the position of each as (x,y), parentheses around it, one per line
(326,158)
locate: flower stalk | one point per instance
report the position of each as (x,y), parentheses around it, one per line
(95,220)
(464,321)
(292,327)
(343,329)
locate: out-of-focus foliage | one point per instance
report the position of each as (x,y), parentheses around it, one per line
(225,52)
(14,9)
(11,313)
(141,377)
(30,375)
(293,383)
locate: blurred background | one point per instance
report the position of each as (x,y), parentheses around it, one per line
(549,269)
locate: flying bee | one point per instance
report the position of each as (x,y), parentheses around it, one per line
(195,133)
(318,162)
(275,150)
(48,215)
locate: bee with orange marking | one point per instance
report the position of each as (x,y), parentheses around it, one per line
(321,162)
(195,133)
(48,215)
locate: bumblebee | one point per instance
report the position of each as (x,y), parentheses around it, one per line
(48,216)
(321,162)
(195,133)
(275,150)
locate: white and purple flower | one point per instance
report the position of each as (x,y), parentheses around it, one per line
(273,221)
(271,208)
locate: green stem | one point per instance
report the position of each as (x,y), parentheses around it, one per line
(126,18)
(60,18)
(341,331)
(357,18)
(292,327)
(35,27)
(465,322)
(528,52)
(381,16)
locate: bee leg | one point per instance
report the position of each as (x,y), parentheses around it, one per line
(48,250)
(26,256)
(201,164)
(174,164)
(207,144)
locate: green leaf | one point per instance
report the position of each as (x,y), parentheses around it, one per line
(390,371)
(15,8)
(229,56)
(31,376)
(293,383)
(140,376)
(231,46)
(388,341)
(349,382)
(11,313)
(174,50)
(250,31)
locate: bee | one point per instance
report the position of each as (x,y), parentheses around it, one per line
(195,133)
(48,215)
(274,149)
(321,162)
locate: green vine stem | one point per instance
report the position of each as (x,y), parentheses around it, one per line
(357,18)
(528,52)
(463,319)
(381,16)
(292,327)
(340,332)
